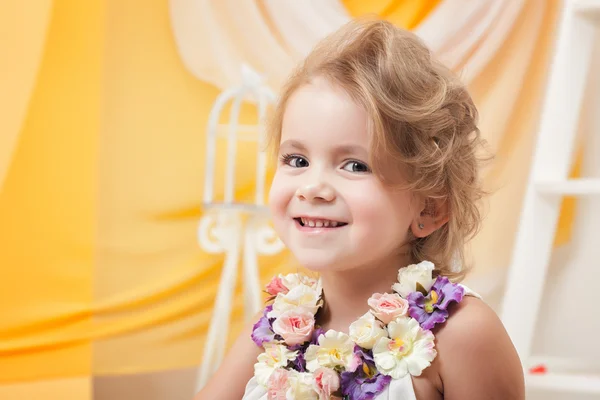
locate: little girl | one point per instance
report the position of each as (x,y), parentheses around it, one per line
(376,190)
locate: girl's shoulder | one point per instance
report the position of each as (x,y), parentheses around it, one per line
(229,381)
(475,354)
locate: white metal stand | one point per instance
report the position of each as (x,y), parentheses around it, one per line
(237,233)
(548,182)
(238,229)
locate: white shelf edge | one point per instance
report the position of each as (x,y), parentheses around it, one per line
(564,364)
(580,187)
(571,383)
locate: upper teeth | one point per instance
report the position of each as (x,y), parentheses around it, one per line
(318,223)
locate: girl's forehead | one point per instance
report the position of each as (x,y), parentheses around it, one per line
(324,115)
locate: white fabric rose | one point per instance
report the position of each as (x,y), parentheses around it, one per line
(301,386)
(290,281)
(334,349)
(409,349)
(275,356)
(409,277)
(301,296)
(366,330)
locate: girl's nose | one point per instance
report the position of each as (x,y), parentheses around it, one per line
(316,192)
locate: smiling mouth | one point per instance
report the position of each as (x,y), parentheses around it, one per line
(319,223)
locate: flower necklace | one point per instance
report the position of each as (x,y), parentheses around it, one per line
(391,340)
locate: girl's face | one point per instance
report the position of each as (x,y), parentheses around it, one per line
(328,207)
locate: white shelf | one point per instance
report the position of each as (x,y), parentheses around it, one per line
(571,383)
(574,187)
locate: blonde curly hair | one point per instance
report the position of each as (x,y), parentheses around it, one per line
(423,124)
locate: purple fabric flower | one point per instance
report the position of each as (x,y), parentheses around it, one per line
(314,339)
(262,331)
(363,382)
(433,309)
(299,363)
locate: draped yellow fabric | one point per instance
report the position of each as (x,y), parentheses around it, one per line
(101,170)
(47,198)
(22,38)
(404,13)
(76,388)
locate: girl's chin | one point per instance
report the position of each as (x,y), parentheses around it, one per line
(321,265)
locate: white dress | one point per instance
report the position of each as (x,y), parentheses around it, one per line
(398,389)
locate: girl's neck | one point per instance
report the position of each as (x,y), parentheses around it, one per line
(346,292)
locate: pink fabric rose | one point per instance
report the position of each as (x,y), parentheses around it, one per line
(294,326)
(387,307)
(276,286)
(278,384)
(327,381)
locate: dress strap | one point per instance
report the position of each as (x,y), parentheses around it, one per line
(469,292)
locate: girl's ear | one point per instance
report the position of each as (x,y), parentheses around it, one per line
(434,214)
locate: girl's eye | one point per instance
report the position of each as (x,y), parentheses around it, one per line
(356,166)
(294,161)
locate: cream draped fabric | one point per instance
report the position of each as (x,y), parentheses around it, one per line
(273,35)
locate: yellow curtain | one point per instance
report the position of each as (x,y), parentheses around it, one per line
(74,388)
(103,181)
(50,124)
(405,13)
(22,40)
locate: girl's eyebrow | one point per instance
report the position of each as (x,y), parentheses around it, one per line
(294,144)
(348,149)
(344,149)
